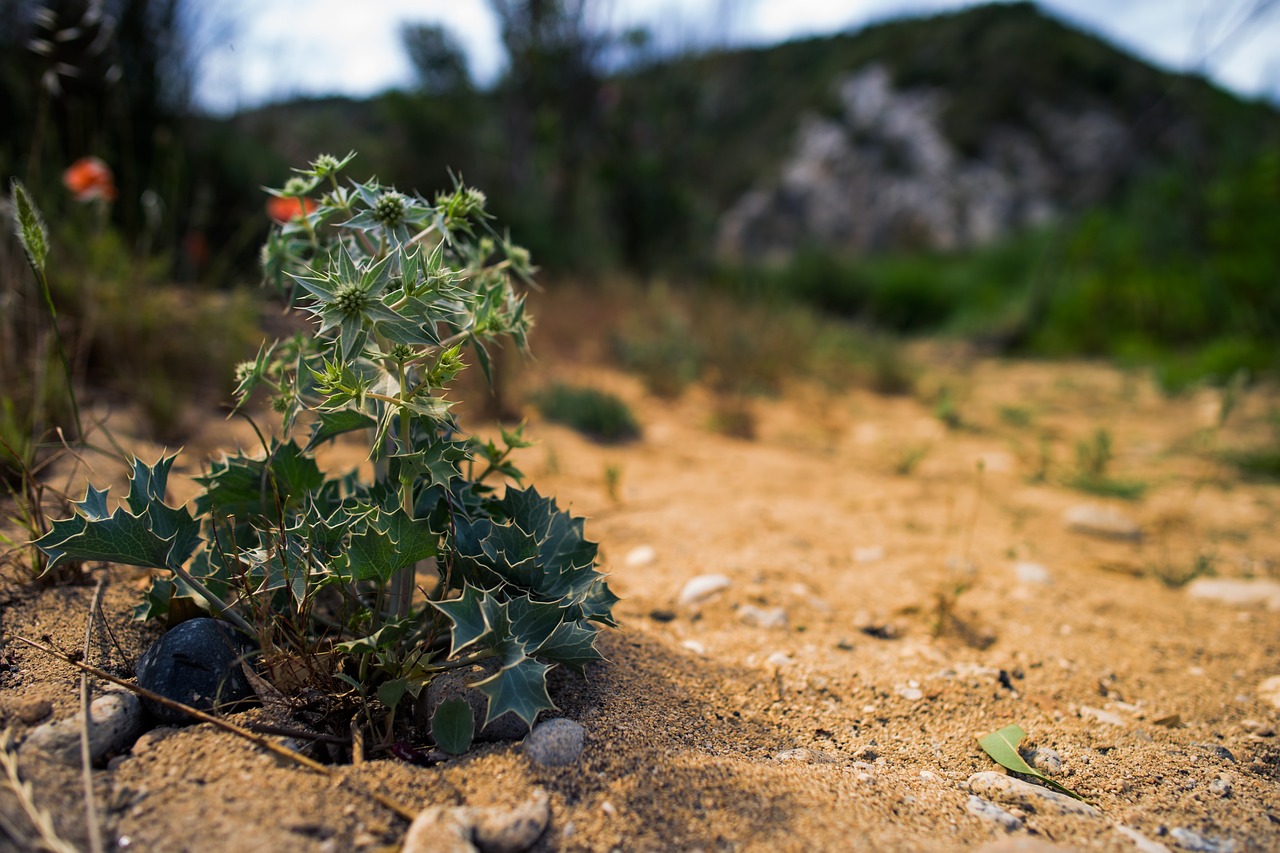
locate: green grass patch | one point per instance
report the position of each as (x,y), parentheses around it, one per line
(594,413)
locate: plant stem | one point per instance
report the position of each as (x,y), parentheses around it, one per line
(400,599)
(62,349)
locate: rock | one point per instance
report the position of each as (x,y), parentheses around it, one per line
(457,682)
(1237,592)
(1015,792)
(147,741)
(990,811)
(641,556)
(1220,787)
(1189,839)
(1140,841)
(1101,521)
(778,660)
(439,829)
(1032,573)
(496,829)
(694,646)
(805,755)
(661,614)
(1046,760)
(869,554)
(911,694)
(555,743)
(115,721)
(1254,727)
(699,589)
(1219,750)
(1101,716)
(762,617)
(1269,691)
(196,663)
(490,829)
(32,711)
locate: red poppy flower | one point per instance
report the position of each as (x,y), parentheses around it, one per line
(284,209)
(89,178)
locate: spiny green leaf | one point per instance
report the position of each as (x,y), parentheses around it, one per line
(393,542)
(532,622)
(391,692)
(572,644)
(332,424)
(466,614)
(520,688)
(1002,746)
(452,725)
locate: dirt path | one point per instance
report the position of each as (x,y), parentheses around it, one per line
(892,588)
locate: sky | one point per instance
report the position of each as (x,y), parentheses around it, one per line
(255,51)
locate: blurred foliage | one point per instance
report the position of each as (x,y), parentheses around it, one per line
(594,413)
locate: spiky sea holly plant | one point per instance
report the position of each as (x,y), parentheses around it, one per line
(372,587)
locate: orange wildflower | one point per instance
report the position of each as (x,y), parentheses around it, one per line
(89,178)
(284,209)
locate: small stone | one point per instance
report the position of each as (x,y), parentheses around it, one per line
(662,615)
(1101,521)
(457,683)
(1260,729)
(555,743)
(32,711)
(641,556)
(807,756)
(694,646)
(990,811)
(495,829)
(1269,691)
(699,589)
(1189,839)
(439,829)
(869,554)
(1011,791)
(1046,760)
(1032,573)
(911,694)
(778,660)
(1220,787)
(196,663)
(1101,716)
(1237,592)
(1140,841)
(115,721)
(1218,750)
(762,617)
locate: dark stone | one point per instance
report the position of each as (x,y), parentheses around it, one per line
(196,663)
(458,682)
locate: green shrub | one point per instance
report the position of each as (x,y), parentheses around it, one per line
(596,414)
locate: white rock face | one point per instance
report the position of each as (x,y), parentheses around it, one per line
(883,174)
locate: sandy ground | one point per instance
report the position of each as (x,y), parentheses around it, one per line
(897,588)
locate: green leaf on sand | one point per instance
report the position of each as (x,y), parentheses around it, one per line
(1002,746)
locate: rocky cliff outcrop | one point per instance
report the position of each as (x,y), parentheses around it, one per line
(882,174)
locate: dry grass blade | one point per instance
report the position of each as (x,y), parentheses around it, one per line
(86,766)
(40,818)
(269,745)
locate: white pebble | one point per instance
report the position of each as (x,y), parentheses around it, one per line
(641,556)
(702,587)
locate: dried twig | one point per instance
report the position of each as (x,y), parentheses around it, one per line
(267,744)
(86,766)
(39,818)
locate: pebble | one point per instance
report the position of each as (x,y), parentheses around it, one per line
(455,682)
(641,556)
(1220,787)
(147,741)
(116,720)
(1238,592)
(197,663)
(694,646)
(1254,727)
(762,617)
(32,711)
(778,660)
(1046,760)
(1032,573)
(1015,792)
(496,829)
(911,694)
(807,756)
(990,811)
(1101,521)
(1140,841)
(1218,750)
(555,743)
(1269,691)
(1101,716)
(869,554)
(490,829)
(1189,839)
(699,589)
